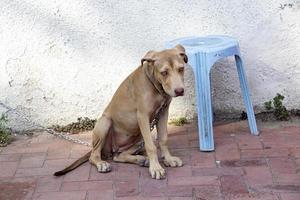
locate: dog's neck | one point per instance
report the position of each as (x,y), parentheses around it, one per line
(156,85)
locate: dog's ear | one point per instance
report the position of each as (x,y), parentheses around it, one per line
(181,51)
(148,63)
(149,57)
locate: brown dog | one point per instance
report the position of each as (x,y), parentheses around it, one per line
(124,124)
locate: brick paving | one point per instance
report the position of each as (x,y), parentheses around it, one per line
(243,167)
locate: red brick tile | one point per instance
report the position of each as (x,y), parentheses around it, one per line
(264,153)
(287,179)
(58,164)
(50,166)
(258,176)
(17,188)
(208,192)
(154,188)
(8,169)
(10,149)
(282,165)
(24,172)
(78,151)
(297,161)
(59,143)
(290,196)
(203,159)
(293,140)
(234,127)
(248,142)
(255,196)
(44,138)
(217,171)
(139,197)
(227,154)
(194,144)
(126,188)
(10,157)
(227,142)
(183,171)
(100,186)
(178,142)
(81,173)
(48,184)
(243,163)
(293,143)
(98,195)
(283,188)
(32,160)
(194,180)
(172,129)
(179,198)
(151,187)
(59,149)
(179,191)
(58,154)
(277,141)
(193,136)
(35,148)
(74,195)
(227,150)
(192,126)
(295,152)
(233,186)
(269,133)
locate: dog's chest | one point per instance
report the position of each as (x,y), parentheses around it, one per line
(156,106)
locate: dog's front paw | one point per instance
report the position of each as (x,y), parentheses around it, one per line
(103,167)
(173,162)
(156,171)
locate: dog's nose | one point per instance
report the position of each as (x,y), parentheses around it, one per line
(179,91)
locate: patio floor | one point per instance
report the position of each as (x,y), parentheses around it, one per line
(265,167)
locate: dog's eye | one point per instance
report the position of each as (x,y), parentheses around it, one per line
(181,69)
(164,73)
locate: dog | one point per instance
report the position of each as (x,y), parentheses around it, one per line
(123,131)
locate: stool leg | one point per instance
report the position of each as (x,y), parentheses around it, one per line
(246,95)
(202,77)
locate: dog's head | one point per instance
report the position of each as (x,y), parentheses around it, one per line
(167,68)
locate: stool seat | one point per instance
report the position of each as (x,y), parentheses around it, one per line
(203,52)
(207,44)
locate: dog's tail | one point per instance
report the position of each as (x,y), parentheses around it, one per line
(74,165)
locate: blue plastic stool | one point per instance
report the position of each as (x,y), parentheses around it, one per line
(203,52)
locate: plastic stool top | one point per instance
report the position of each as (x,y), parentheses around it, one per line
(211,43)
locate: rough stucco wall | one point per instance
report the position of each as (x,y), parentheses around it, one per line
(62,59)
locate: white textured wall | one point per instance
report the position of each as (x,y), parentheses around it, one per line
(61,59)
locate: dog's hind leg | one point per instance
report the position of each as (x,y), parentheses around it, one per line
(129,156)
(100,132)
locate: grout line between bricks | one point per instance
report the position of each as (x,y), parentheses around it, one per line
(45,158)
(114,189)
(272,173)
(86,195)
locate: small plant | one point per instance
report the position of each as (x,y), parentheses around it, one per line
(82,124)
(5,133)
(275,105)
(268,105)
(179,121)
